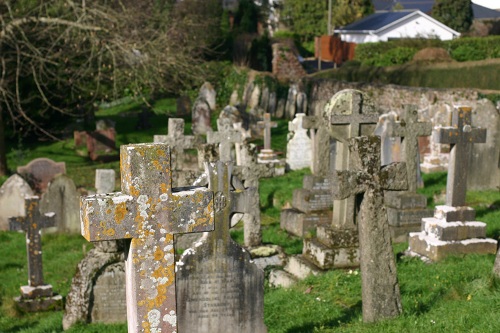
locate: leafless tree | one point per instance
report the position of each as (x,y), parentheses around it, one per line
(64,56)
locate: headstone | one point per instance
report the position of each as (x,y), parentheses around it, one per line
(272,104)
(301,102)
(437,160)
(97,292)
(12,195)
(291,102)
(486,174)
(219,288)
(208,93)
(183,106)
(381,297)
(280,108)
(184,172)
(391,145)
(37,295)
(406,209)
(101,143)
(148,212)
(200,115)
(39,172)
(253,102)
(267,154)
(299,145)
(264,100)
(62,198)
(226,137)
(105,180)
(452,230)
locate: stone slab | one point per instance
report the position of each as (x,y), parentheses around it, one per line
(316,183)
(403,217)
(452,214)
(52,303)
(436,250)
(38,291)
(312,201)
(337,238)
(453,231)
(327,258)
(299,223)
(405,200)
(400,234)
(300,267)
(283,279)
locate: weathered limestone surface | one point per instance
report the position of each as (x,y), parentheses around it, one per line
(148,212)
(12,194)
(39,172)
(380,287)
(219,288)
(452,230)
(299,146)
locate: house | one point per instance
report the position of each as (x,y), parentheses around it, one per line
(385,25)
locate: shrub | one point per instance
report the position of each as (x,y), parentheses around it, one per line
(468,53)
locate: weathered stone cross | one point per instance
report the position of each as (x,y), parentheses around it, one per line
(216,276)
(380,287)
(266,125)
(460,136)
(345,114)
(149,212)
(226,138)
(409,129)
(177,141)
(320,145)
(32,224)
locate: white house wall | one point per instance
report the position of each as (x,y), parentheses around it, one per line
(359,38)
(415,27)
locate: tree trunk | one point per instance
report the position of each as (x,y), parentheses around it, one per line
(3,155)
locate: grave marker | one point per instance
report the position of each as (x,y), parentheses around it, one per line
(406,209)
(267,154)
(149,212)
(452,230)
(104,180)
(40,171)
(380,287)
(36,296)
(299,146)
(12,194)
(226,138)
(219,288)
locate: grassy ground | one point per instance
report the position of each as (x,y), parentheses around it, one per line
(456,295)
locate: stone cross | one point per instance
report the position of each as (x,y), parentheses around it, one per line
(409,129)
(177,141)
(460,136)
(226,138)
(266,125)
(320,144)
(380,288)
(220,289)
(345,114)
(148,212)
(32,224)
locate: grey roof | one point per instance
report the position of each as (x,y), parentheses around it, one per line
(425,6)
(377,21)
(482,13)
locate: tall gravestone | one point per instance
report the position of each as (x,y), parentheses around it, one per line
(39,172)
(349,113)
(486,174)
(267,154)
(219,288)
(299,145)
(97,292)
(12,194)
(62,198)
(452,230)
(148,212)
(380,288)
(406,209)
(183,173)
(37,295)
(200,115)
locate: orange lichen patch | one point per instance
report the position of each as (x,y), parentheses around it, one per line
(120,212)
(158,255)
(33,225)
(157,165)
(109,232)
(163,188)
(134,192)
(160,152)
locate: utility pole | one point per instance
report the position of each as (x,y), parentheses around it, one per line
(329,32)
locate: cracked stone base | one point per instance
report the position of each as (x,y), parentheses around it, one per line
(52,303)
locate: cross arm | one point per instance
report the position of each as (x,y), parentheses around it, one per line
(393,177)
(17,223)
(346,183)
(192,210)
(453,135)
(311,122)
(244,201)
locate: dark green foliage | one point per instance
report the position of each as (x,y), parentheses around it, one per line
(394,56)
(462,49)
(307,19)
(456,14)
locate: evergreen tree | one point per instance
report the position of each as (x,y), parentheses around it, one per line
(456,14)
